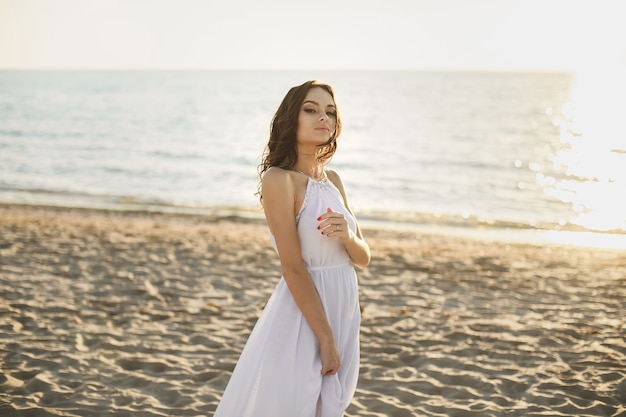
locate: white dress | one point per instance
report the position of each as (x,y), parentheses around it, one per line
(278,372)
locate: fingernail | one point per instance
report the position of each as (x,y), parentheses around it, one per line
(319,218)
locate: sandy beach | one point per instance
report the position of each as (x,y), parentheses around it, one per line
(107,313)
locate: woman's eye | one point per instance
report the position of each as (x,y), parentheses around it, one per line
(309,110)
(332,113)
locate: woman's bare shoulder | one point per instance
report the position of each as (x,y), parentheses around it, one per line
(331,173)
(334,177)
(275,175)
(278,182)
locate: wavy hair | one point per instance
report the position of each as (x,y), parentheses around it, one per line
(282,148)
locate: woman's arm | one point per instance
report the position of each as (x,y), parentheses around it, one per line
(357,247)
(278,202)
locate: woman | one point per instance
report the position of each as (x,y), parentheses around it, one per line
(302,357)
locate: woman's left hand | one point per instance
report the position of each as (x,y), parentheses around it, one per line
(333,224)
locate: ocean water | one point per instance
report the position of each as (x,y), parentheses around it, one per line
(471,150)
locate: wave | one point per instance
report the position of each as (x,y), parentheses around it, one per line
(60,198)
(418,222)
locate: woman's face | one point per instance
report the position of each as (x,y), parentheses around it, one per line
(317,119)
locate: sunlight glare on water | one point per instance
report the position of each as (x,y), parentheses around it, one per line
(592,154)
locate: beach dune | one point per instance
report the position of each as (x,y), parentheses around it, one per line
(144,314)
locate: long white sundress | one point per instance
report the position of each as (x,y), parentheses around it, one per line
(278,373)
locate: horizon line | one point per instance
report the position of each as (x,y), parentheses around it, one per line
(294,69)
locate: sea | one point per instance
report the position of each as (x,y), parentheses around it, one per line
(492,154)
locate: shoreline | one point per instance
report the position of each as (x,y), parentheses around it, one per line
(122,313)
(505,235)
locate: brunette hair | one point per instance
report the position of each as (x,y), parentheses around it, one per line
(282,148)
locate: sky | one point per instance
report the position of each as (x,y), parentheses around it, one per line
(552,35)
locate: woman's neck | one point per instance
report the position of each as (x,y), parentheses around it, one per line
(308,165)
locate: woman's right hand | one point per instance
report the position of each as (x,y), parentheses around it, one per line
(330,358)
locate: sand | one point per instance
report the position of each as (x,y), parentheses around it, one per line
(108,313)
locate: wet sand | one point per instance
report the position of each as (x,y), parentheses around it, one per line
(144,314)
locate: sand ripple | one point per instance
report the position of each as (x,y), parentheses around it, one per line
(144,315)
